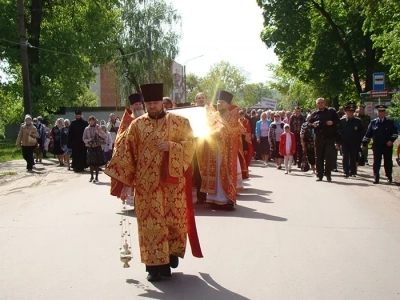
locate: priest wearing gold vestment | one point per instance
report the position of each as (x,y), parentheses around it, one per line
(156,150)
(218,157)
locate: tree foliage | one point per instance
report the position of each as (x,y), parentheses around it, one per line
(67,39)
(324,44)
(141,20)
(225,76)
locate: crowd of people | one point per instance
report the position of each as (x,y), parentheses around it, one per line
(155,160)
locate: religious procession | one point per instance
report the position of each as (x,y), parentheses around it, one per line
(168,158)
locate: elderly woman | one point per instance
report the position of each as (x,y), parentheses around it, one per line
(262,130)
(94,137)
(64,138)
(27,139)
(274,137)
(307,143)
(56,140)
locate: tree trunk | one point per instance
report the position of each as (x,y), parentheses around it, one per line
(343,44)
(370,60)
(34,29)
(335,102)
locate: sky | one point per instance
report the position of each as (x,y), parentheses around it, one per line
(223,30)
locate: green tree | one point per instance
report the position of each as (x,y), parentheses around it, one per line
(224,76)
(142,20)
(323,43)
(253,92)
(66,38)
(193,83)
(394,109)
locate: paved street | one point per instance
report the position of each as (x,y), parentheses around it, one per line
(289,238)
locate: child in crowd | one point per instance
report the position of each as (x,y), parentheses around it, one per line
(287,147)
(107,146)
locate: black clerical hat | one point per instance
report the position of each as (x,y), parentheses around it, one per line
(225,96)
(381,107)
(152,92)
(78,112)
(135,98)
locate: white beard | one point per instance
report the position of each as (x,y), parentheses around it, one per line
(138,113)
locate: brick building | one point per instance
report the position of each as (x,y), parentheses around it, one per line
(106,86)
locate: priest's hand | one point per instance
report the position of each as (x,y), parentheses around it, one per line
(125,193)
(163,146)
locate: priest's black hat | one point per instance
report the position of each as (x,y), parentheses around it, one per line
(381,107)
(135,98)
(152,92)
(225,96)
(78,112)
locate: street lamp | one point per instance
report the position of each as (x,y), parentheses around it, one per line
(184,74)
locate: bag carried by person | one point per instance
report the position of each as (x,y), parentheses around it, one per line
(360,158)
(31,141)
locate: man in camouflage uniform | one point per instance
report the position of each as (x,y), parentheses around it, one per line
(365,119)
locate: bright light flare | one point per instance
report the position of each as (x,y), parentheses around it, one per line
(197,117)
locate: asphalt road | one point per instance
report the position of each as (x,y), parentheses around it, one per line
(289,238)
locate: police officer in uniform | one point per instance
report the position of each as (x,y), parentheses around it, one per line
(350,135)
(324,121)
(384,133)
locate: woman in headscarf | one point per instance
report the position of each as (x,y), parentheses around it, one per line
(27,139)
(94,137)
(56,140)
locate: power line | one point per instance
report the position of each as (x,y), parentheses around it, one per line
(65,53)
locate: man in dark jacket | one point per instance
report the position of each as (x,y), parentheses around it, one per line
(324,121)
(76,143)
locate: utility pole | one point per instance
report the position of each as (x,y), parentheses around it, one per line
(150,54)
(24,57)
(184,84)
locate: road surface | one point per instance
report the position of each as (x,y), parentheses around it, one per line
(289,238)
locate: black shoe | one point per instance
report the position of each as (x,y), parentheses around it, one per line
(319,179)
(91,179)
(152,277)
(335,170)
(376,181)
(390,180)
(166,273)
(346,176)
(329,178)
(173,261)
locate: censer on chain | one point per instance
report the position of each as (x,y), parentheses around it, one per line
(125,249)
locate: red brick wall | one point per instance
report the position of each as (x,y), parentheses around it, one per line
(109,90)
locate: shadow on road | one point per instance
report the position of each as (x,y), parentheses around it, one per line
(252,194)
(182,286)
(240,212)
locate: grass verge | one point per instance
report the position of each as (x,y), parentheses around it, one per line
(4,174)
(8,151)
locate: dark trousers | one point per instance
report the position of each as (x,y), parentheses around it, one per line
(349,153)
(257,148)
(325,155)
(201,197)
(298,155)
(387,153)
(27,154)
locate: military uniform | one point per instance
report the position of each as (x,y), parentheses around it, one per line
(381,131)
(365,119)
(350,134)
